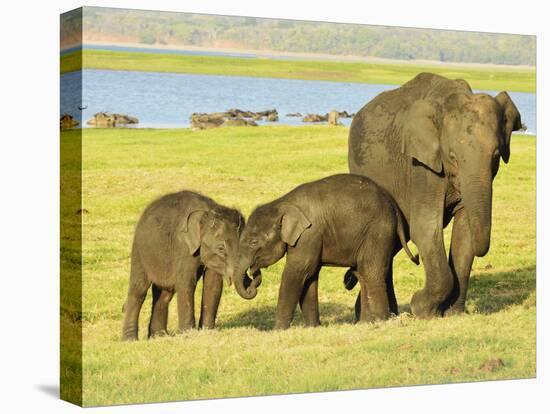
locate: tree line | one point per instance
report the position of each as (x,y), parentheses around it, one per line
(164,28)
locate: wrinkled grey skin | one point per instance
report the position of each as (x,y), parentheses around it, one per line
(342,220)
(435,147)
(179,238)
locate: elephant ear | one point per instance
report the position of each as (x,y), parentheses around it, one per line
(420,133)
(511,121)
(190,230)
(293,224)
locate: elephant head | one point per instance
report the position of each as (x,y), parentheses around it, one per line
(214,235)
(264,241)
(463,137)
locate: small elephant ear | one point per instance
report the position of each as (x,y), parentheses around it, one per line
(420,134)
(191,230)
(293,224)
(511,121)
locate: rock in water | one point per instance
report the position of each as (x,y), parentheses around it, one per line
(315,118)
(273,117)
(231,117)
(105,119)
(67,122)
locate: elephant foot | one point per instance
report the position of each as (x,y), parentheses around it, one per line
(182,329)
(129,336)
(279,326)
(312,324)
(365,320)
(371,318)
(456,309)
(423,307)
(158,334)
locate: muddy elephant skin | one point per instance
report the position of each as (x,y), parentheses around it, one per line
(342,220)
(435,146)
(179,238)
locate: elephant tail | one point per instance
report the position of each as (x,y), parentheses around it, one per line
(401,234)
(350,280)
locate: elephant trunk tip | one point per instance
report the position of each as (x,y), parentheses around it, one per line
(246,287)
(481,249)
(251,293)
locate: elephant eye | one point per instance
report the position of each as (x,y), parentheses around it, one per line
(253,243)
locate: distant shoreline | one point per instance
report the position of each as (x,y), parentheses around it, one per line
(396,73)
(303,56)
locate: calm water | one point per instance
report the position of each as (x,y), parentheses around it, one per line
(166,100)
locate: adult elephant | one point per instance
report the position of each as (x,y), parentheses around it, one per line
(435,146)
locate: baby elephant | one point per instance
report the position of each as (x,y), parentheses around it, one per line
(179,238)
(342,220)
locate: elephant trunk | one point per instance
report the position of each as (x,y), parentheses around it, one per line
(245,287)
(478,199)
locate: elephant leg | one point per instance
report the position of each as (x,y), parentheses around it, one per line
(392,300)
(212,286)
(137,290)
(186,283)
(309,301)
(374,298)
(292,285)
(159,312)
(373,266)
(425,219)
(426,303)
(358,307)
(461,259)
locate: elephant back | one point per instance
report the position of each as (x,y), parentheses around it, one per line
(375,145)
(375,131)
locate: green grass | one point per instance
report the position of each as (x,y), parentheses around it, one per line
(479,77)
(124,169)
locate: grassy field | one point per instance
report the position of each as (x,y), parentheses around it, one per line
(125,169)
(487,78)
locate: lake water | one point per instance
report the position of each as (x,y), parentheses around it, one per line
(166,100)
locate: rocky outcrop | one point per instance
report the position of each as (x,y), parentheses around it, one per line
(273,117)
(238,122)
(238,113)
(107,120)
(231,117)
(67,122)
(206,121)
(331,117)
(315,118)
(523,128)
(345,114)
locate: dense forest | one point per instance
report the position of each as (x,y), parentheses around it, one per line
(165,28)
